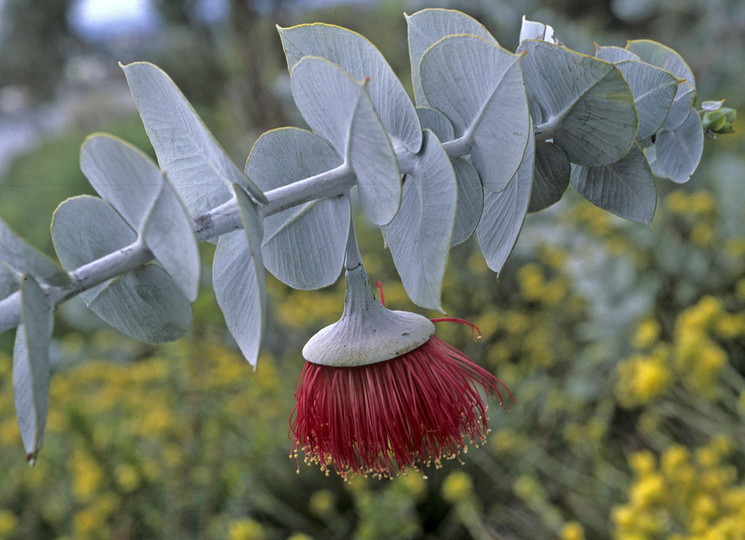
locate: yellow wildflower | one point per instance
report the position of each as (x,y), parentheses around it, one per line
(246,529)
(127,477)
(322,502)
(8,522)
(572,531)
(646,334)
(457,487)
(641,379)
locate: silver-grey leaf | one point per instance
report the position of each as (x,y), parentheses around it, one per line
(339,109)
(420,234)
(479,87)
(238,279)
(129,180)
(582,103)
(678,151)
(303,246)
(504,213)
(23,258)
(550,177)
(625,188)
(31,365)
(356,55)
(198,167)
(169,236)
(427,27)
(145,304)
(470,201)
(434,120)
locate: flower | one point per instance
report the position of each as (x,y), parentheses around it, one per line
(379,394)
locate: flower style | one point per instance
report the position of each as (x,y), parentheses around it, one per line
(380,394)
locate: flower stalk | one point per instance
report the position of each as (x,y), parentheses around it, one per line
(379,394)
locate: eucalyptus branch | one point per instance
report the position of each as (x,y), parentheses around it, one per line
(209,225)
(473,98)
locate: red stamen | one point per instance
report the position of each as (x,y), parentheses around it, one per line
(383,418)
(474,328)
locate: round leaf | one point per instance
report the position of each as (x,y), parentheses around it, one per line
(504,213)
(625,188)
(581,102)
(338,109)
(145,304)
(199,168)
(31,365)
(678,152)
(238,278)
(419,236)
(129,181)
(427,27)
(479,87)
(550,178)
(304,246)
(356,55)
(470,201)
(654,90)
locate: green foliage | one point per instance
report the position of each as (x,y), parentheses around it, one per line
(49,174)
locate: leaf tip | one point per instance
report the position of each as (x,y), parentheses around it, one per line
(31,458)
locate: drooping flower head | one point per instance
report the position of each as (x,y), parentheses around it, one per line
(380,394)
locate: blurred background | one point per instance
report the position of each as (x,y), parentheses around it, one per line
(624,345)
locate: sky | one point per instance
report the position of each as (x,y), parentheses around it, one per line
(95,17)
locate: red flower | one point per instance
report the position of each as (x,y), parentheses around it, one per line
(382,416)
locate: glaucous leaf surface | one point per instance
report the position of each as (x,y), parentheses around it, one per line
(582,103)
(8,281)
(663,57)
(504,213)
(470,201)
(22,258)
(679,151)
(666,58)
(654,90)
(356,55)
(338,108)
(614,54)
(31,365)
(434,120)
(470,190)
(651,155)
(428,26)
(86,228)
(145,304)
(625,188)
(550,177)
(170,237)
(198,167)
(303,246)
(122,175)
(238,279)
(420,234)
(479,87)
(130,182)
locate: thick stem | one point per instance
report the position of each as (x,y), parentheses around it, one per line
(457,147)
(353,258)
(220,220)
